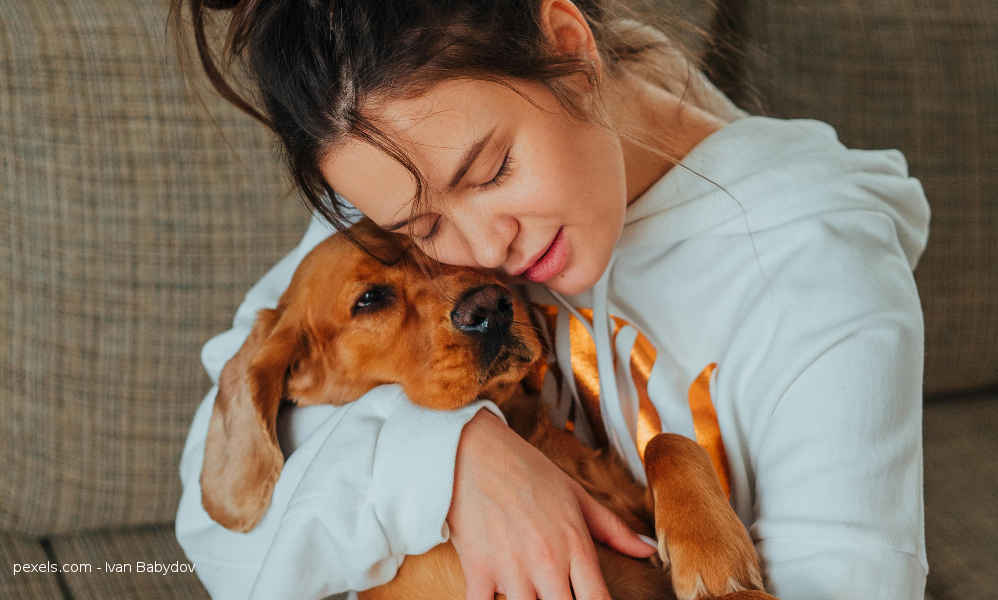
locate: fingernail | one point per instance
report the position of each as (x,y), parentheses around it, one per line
(651,542)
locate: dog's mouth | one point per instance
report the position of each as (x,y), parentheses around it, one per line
(514,354)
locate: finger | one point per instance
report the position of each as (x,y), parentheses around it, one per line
(587,578)
(551,580)
(607,527)
(480,588)
(520,589)
(553,588)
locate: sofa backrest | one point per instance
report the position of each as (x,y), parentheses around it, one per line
(130,232)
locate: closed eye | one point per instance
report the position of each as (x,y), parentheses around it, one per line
(432,232)
(504,170)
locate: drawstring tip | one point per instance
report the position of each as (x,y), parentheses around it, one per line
(650,541)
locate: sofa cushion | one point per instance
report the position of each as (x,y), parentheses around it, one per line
(923,78)
(124,565)
(132,225)
(22,551)
(961,496)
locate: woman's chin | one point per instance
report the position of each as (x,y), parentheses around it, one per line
(570,283)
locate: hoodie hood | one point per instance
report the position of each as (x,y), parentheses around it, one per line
(733,181)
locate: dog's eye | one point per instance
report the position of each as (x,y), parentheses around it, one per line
(373,298)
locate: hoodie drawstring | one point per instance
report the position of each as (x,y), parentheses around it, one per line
(611,409)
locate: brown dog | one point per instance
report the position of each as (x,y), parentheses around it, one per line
(457,335)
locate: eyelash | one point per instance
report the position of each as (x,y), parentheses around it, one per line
(504,170)
(432,232)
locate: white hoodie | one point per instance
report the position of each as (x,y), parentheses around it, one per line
(813,326)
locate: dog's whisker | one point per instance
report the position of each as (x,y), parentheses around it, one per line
(527,325)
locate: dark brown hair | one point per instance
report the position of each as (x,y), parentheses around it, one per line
(314,66)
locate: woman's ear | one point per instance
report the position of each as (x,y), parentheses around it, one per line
(242,457)
(567,30)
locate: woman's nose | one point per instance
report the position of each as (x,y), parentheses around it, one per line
(489,239)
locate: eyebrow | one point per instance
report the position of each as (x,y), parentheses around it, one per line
(462,169)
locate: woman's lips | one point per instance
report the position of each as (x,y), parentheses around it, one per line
(552,262)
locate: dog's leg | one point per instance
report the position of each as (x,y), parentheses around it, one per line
(701,542)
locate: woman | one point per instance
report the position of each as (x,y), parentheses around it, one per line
(556,141)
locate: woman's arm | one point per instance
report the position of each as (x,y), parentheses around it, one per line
(838,455)
(370,483)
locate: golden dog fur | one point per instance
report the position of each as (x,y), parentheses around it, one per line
(325,342)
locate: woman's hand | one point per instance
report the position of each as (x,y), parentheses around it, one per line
(521,526)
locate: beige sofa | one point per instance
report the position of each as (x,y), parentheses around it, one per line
(133,220)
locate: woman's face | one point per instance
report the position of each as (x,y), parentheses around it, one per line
(513,182)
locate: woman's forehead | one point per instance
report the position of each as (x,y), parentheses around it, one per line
(435,130)
(455,103)
(369,179)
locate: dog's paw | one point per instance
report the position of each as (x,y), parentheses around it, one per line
(708,567)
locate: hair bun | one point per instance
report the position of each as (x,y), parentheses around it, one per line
(220,4)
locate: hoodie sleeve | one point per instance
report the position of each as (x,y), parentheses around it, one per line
(365,484)
(837,452)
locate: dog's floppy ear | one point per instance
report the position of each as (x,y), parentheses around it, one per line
(242,457)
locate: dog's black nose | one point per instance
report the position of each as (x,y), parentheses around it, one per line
(485,310)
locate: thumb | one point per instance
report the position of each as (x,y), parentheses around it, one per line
(607,527)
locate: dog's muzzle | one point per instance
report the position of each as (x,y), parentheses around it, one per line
(485,314)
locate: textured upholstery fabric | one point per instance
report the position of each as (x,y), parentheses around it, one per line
(24,586)
(130,231)
(923,78)
(127,548)
(961,496)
